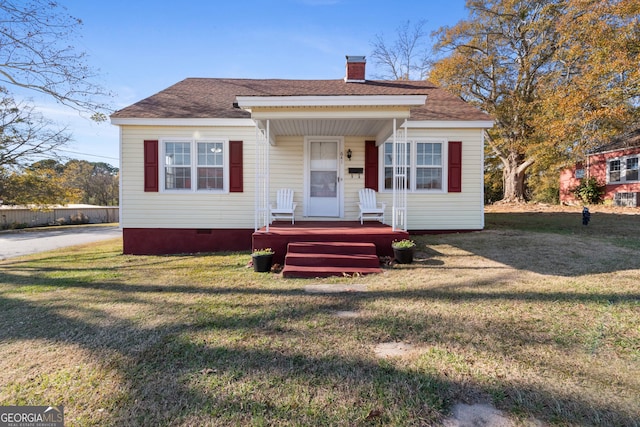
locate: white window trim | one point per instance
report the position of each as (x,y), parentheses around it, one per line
(194,165)
(623,169)
(413,166)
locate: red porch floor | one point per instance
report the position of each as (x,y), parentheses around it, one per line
(282,233)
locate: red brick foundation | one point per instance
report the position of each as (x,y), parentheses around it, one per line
(164,241)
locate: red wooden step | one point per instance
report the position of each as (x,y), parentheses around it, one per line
(347,248)
(324,259)
(327,259)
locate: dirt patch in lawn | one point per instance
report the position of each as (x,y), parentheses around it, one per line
(477,415)
(393,349)
(334,288)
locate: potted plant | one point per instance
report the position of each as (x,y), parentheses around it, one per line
(262,259)
(403,250)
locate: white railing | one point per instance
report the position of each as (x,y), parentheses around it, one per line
(400,178)
(262,178)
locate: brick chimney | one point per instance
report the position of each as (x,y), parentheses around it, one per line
(355,69)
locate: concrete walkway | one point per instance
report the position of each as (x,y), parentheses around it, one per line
(30,241)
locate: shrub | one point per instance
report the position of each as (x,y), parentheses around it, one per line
(79,218)
(590,191)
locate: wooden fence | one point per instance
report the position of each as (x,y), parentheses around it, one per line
(19,218)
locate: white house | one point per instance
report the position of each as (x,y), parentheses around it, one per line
(202,159)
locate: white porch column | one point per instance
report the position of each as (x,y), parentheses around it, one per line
(400,181)
(261,195)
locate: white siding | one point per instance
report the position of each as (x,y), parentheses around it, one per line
(141,209)
(449,211)
(426,211)
(286,167)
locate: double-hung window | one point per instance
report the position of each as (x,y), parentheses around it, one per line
(631,173)
(192,165)
(614,170)
(388,164)
(177,167)
(210,165)
(428,166)
(425,165)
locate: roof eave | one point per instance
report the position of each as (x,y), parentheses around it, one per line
(146,121)
(444,124)
(248,102)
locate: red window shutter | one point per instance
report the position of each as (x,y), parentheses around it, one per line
(235,167)
(371,165)
(455,167)
(151,165)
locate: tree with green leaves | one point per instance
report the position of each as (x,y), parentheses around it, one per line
(39,185)
(557,75)
(98,182)
(50,182)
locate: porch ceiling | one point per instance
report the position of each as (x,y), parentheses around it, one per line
(378,129)
(324,127)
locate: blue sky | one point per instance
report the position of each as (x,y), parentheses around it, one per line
(141,47)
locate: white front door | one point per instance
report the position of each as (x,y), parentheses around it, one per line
(324,187)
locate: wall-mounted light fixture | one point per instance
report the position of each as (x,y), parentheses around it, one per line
(349,154)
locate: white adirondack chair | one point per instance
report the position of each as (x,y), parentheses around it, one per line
(369,206)
(285,206)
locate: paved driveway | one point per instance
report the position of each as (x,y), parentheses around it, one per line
(17,243)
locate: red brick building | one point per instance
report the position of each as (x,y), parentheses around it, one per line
(615,164)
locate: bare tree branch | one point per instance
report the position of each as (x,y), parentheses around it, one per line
(407,58)
(25,135)
(37,53)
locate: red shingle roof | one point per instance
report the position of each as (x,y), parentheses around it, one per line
(214,98)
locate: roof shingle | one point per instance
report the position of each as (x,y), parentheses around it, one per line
(214,97)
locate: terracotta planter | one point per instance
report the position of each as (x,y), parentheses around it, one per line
(262,263)
(403,255)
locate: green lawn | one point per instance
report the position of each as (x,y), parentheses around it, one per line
(538,315)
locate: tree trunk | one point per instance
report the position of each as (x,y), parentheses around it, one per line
(513,185)
(513,175)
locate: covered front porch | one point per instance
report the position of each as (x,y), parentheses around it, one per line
(305,143)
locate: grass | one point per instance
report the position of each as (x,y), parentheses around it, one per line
(538,315)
